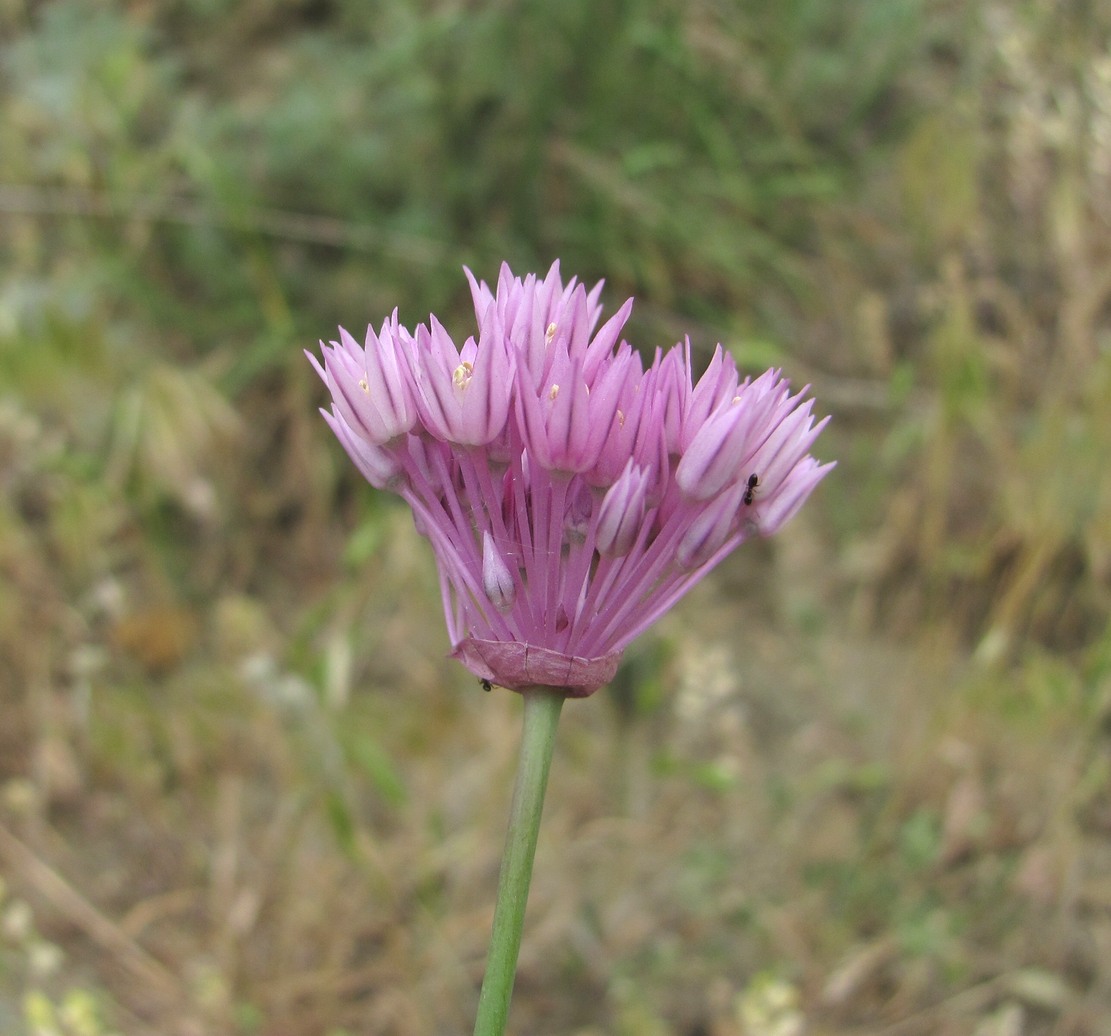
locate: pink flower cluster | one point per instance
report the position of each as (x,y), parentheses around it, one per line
(571,496)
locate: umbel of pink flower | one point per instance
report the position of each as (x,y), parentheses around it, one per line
(570,495)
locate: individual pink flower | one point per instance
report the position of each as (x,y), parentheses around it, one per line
(571,495)
(464,394)
(621,514)
(372,385)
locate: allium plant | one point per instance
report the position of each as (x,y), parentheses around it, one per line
(571,496)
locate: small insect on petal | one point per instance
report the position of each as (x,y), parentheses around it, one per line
(750,489)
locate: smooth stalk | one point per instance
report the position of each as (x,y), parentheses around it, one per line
(541,717)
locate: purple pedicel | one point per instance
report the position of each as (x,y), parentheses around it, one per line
(571,495)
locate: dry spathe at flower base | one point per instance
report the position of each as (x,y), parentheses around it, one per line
(571,496)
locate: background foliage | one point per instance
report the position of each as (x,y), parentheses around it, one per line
(860,782)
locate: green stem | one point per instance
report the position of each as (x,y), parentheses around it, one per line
(542,707)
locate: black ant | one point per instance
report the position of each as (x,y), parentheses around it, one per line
(486,685)
(750,489)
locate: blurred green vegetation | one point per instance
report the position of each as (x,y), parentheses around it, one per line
(863,780)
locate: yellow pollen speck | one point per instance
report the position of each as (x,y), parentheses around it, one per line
(462,374)
(554,392)
(364,385)
(549,334)
(620,419)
